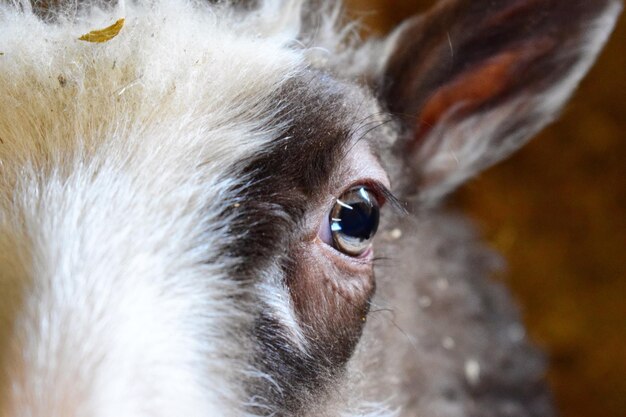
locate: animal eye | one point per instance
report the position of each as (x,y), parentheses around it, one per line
(354,221)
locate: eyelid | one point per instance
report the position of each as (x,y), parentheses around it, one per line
(383,194)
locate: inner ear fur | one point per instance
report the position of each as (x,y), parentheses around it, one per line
(472,80)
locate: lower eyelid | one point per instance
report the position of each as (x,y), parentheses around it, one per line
(361,263)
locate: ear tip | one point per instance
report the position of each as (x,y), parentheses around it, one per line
(619,5)
(610,6)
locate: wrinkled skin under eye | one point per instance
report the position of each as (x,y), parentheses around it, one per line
(332,279)
(354,221)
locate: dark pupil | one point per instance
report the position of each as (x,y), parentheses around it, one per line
(362,221)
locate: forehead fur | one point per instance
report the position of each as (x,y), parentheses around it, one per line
(177,68)
(174,68)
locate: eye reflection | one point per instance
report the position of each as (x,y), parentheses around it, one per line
(354,221)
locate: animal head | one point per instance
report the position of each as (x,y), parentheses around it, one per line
(189,210)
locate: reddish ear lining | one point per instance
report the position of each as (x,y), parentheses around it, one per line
(477,86)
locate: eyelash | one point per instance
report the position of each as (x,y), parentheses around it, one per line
(383,195)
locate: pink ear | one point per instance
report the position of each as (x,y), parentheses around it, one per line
(473,80)
(477,86)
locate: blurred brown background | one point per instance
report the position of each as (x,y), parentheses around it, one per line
(557,211)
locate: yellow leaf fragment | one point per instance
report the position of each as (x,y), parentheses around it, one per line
(104,35)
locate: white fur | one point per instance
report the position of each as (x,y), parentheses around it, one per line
(115,161)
